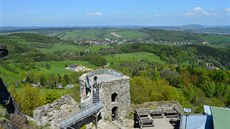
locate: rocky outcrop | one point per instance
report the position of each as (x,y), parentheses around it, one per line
(10,116)
(52,114)
(6,124)
(6,100)
(14,121)
(3,52)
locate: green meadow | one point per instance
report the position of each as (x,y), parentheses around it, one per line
(56,67)
(116,59)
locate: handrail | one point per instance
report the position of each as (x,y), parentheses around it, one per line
(105,71)
(81,115)
(88,102)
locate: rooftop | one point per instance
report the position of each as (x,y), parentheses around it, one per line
(214,118)
(196,121)
(221,118)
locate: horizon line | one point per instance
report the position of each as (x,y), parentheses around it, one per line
(75,26)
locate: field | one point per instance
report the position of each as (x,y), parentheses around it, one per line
(96,48)
(62,48)
(71,48)
(99,33)
(74,34)
(56,67)
(133,57)
(216,38)
(134,34)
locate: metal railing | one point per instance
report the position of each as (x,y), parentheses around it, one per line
(81,115)
(105,71)
(87,103)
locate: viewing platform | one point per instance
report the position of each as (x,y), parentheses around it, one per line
(104,75)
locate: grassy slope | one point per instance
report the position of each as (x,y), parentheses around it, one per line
(216,38)
(96,48)
(61,48)
(71,48)
(131,34)
(77,34)
(98,33)
(118,58)
(157,34)
(56,67)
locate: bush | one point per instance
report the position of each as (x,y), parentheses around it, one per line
(51,96)
(3,113)
(144,90)
(29,98)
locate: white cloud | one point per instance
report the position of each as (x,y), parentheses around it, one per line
(198,11)
(151,17)
(157,15)
(94,14)
(227,9)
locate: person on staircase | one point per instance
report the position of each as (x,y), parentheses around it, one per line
(96,89)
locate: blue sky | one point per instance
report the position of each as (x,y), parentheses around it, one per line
(113,12)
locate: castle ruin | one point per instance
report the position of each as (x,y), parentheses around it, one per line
(109,87)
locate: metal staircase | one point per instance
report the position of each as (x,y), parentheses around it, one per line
(89,107)
(86,112)
(96,96)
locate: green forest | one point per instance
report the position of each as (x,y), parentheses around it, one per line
(193,74)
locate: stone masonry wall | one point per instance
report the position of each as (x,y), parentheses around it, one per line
(121,87)
(52,114)
(82,87)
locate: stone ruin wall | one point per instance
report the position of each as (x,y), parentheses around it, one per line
(120,86)
(82,87)
(53,113)
(165,105)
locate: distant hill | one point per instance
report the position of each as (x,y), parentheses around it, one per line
(195,28)
(199,29)
(187,33)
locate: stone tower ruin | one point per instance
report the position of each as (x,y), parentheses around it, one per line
(112,89)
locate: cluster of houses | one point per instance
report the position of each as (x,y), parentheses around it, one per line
(90,42)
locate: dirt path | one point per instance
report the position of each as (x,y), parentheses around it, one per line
(115,34)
